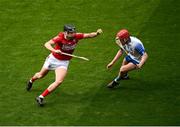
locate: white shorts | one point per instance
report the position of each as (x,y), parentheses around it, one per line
(53,63)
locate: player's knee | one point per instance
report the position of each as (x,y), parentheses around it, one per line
(58,82)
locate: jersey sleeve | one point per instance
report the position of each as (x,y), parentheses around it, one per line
(140,49)
(58,38)
(79,36)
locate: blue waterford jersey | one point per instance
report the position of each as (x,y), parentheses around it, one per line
(135,49)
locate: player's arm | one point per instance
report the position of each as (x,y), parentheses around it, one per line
(117,56)
(93,34)
(139,48)
(143,60)
(49,46)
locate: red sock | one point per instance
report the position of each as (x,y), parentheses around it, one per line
(45,93)
(33,79)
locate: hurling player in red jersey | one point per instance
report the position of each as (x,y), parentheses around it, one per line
(64,42)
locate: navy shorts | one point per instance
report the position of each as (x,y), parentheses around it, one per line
(129,59)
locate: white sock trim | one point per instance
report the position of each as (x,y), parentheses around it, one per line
(41,96)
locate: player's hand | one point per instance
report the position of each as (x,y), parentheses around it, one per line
(99,31)
(110,65)
(58,51)
(138,66)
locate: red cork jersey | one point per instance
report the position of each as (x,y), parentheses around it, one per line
(67,46)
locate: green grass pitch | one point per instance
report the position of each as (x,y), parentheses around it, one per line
(150,97)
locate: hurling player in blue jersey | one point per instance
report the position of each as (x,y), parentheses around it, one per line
(135,58)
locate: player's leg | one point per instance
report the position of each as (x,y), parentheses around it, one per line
(125,76)
(126,68)
(123,71)
(113,83)
(60,75)
(44,70)
(36,76)
(40,74)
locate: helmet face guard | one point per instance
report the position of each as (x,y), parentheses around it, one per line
(69,28)
(124,41)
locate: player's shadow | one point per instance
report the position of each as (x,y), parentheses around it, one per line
(133,84)
(131,87)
